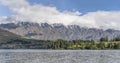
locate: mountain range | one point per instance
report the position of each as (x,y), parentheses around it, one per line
(45,31)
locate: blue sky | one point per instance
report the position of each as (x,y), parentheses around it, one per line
(4,11)
(83,6)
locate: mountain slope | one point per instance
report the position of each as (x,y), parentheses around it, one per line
(45,31)
(7,36)
(10,40)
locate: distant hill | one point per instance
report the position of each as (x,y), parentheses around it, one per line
(7,36)
(45,31)
(10,40)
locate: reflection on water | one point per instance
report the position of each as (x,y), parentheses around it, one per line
(59,56)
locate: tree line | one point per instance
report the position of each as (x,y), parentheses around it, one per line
(104,44)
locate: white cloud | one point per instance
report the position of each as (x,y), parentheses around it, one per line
(23,11)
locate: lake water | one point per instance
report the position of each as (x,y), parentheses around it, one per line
(59,56)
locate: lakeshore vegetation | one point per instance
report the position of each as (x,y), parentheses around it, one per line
(103,44)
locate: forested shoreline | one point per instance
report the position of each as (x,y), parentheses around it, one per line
(103,44)
(83,45)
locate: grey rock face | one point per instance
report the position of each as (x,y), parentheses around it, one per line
(45,31)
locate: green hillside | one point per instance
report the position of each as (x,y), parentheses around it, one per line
(10,40)
(6,36)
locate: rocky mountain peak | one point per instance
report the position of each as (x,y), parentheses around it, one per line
(45,31)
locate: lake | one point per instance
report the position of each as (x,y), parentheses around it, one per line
(59,56)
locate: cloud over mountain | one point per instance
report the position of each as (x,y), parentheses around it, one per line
(24,11)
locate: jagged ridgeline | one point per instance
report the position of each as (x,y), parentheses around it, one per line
(45,31)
